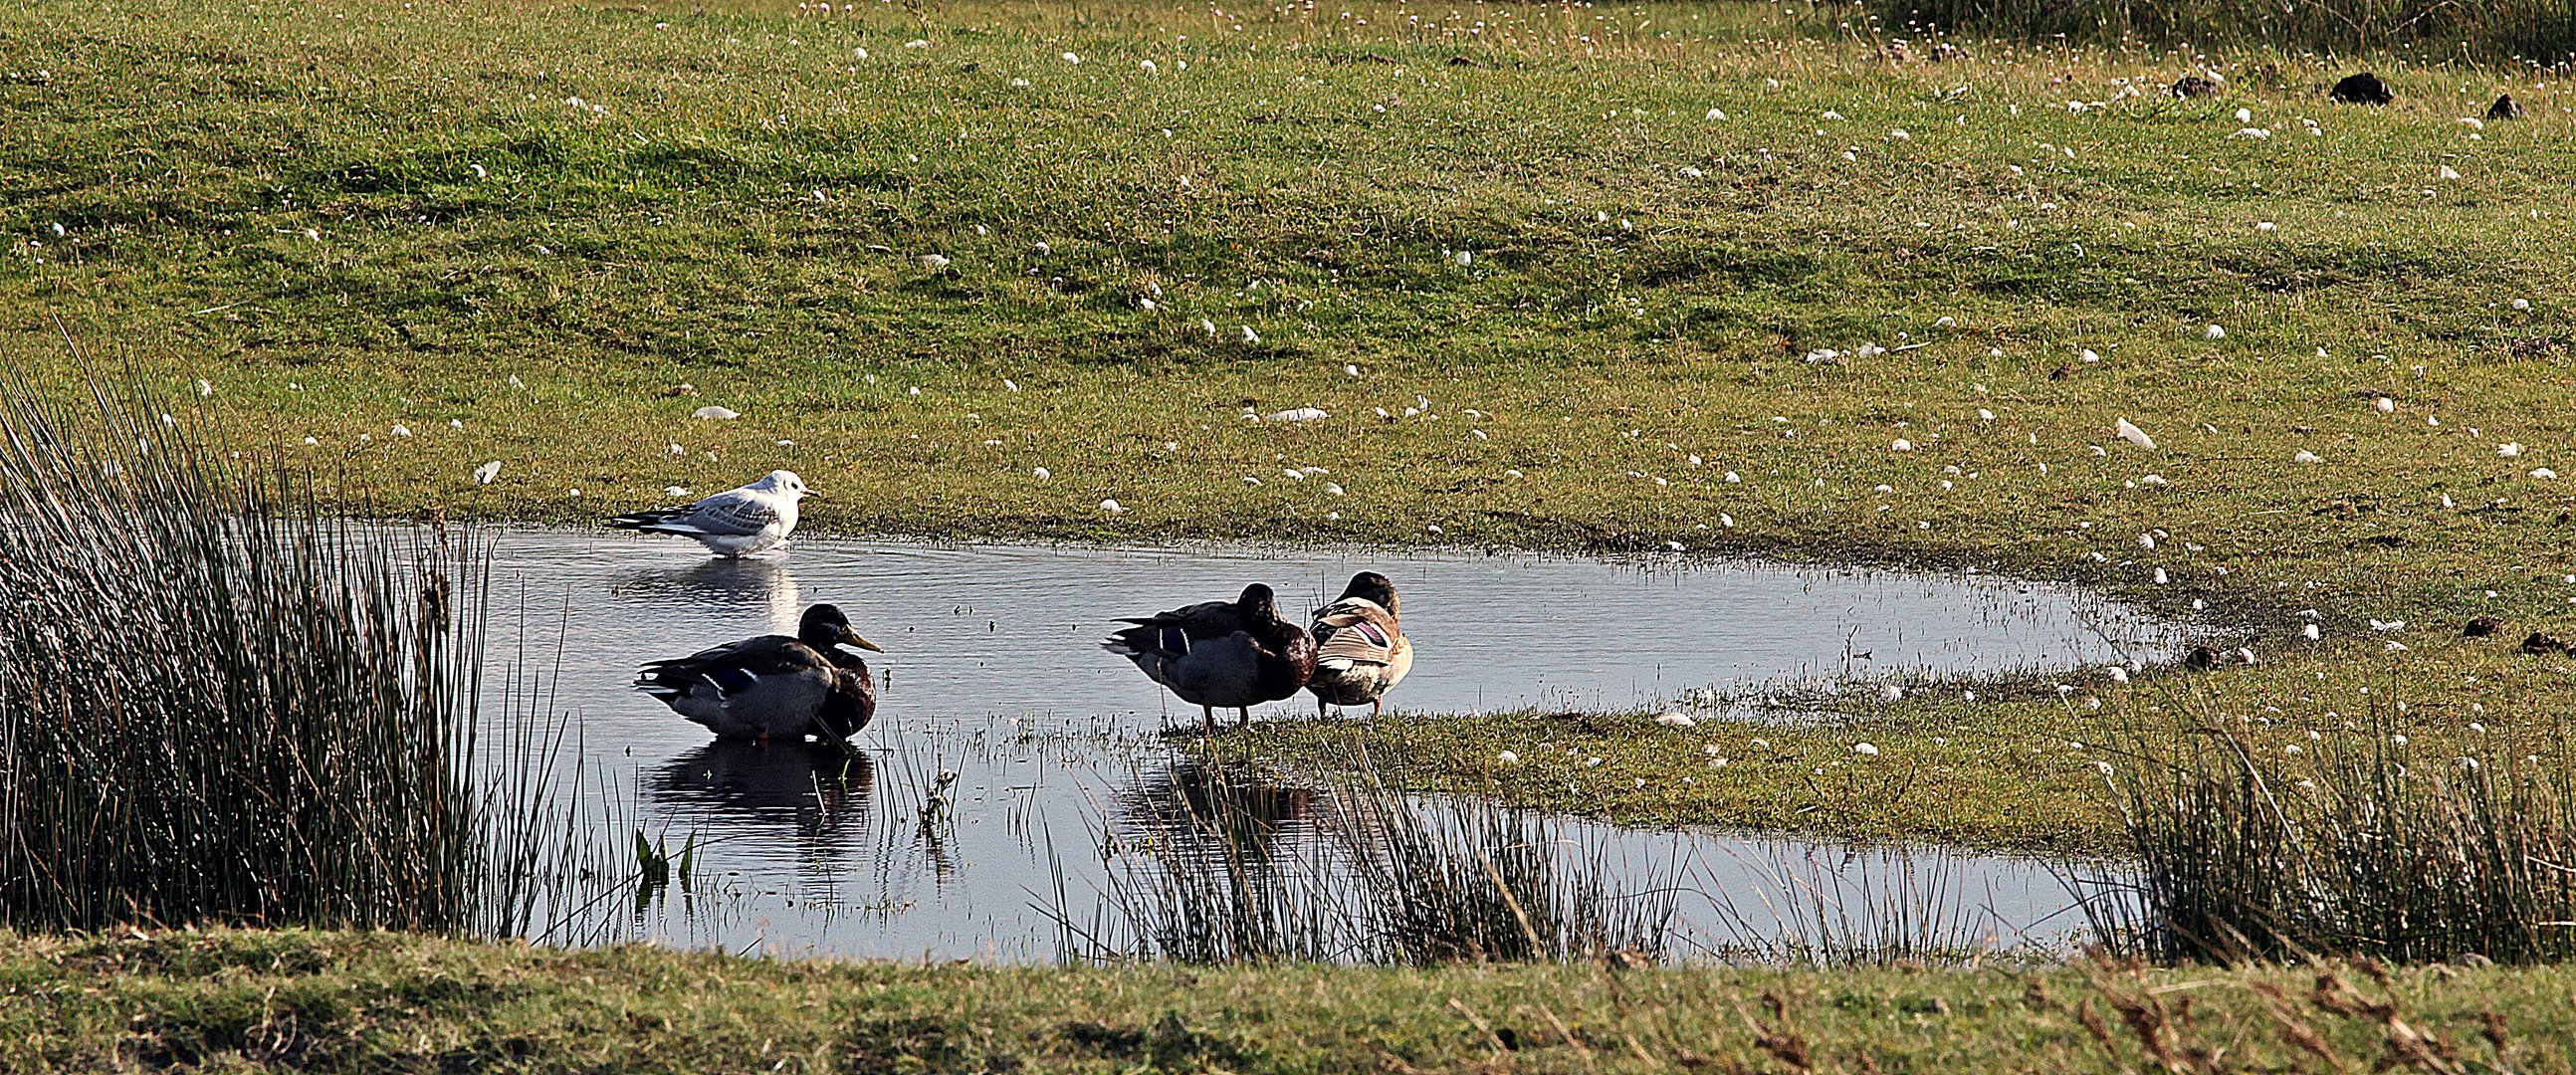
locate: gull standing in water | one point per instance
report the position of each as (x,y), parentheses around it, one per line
(737,522)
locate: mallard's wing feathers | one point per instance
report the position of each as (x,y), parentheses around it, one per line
(1170,633)
(763,656)
(1356,629)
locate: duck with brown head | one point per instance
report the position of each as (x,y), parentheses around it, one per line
(1361,650)
(1236,654)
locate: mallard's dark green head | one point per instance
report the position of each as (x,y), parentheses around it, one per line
(824,626)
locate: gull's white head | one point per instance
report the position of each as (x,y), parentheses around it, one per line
(784,481)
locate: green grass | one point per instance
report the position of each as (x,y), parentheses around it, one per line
(1804,779)
(333,1002)
(350,216)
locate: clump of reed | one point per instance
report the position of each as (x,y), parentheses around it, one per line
(218,704)
(2364,844)
(2538,31)
(1397,881)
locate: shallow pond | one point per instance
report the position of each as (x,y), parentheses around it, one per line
(993,672)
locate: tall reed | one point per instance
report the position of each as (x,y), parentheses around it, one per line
(218,704)
(2365,844)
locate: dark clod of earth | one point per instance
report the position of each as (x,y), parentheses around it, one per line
(2362,89)
(2543,642)
(2189,86)
(2481,627)
(2504,108)
(2202,658)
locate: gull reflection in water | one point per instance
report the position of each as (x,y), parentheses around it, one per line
(765,584)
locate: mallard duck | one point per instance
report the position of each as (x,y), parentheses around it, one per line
(1236,654)
(1360,648)
(737,522)
(773,685)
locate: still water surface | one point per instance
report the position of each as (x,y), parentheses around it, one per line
(993,672)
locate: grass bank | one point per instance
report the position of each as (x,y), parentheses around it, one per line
(1624,278)
(325,1002)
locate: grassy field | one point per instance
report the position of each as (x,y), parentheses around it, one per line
(231,1001)
(1886,309)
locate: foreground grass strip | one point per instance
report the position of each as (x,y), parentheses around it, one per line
(388,1002)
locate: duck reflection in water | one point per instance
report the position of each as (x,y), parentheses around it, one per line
(722,583)
(820,791)
(1234,811)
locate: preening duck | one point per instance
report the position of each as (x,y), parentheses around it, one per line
(1360,645)
(773,685)
(737,522)
(1236,654)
